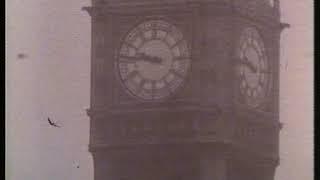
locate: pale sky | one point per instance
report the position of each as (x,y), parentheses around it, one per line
(53,80)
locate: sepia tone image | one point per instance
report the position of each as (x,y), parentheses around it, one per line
(159,89)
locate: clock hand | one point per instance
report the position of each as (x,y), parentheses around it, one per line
(143,57)
(246,62)
(250,65)
(155,59)
(265,71)
(151,59)
(131,58)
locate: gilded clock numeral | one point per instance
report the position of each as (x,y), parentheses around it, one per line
(161,92)
(259,89)
(175,83)
(262,63)
(153,34)
(147,34)
(137,42)
(160,84)
(146,25)
(243,83)
(147,85)
(261,83)
(129,45)
(259,51)
(181,66)
(262,77)
(170,40)
(250,92)
(177,35)
(130,75)
(123,50)
(176,73)
(254,93)
(127,50)
(147,95)
(169,77)
(142,36)
(161,34)
(133,86)
(176,52)
(153,89)
(137,79)
(176,43)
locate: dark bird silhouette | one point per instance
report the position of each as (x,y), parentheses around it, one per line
(52,123)
(22,56)
(77,165)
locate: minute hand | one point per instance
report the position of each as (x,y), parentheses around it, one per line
(142,57)
(150,59)
(264,71)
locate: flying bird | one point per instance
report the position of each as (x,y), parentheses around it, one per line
(22,56)
(52,123)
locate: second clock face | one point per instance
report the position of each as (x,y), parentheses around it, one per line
(153,60)
(253,70)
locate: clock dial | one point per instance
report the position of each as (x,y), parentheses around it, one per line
(153,60)
(253,69)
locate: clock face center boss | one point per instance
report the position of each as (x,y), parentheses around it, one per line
(153,60)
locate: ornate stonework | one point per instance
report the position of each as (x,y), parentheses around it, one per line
(202,131)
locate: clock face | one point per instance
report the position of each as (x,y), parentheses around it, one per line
(253,69)
(153,60)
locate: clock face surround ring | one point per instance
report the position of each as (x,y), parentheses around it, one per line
(153,60)
(254,73)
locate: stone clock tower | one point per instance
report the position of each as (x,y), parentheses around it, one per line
(185,89)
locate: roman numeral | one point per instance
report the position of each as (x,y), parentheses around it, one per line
(261,84)
(177,74)
(141,35)
(176,43)
(130,75)
(131,46)
(153,34)
(127,59)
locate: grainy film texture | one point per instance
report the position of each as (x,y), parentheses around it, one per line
(149,89)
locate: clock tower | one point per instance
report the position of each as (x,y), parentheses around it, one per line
(185,89)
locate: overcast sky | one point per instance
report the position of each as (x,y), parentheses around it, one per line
(53,80)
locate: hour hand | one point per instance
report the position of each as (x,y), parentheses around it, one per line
(151,59)
(264,71)
(141,57)
(246,62)
(129,59)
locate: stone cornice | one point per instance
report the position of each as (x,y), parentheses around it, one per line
(131,8)
(169,142)
(203,147)
(284,26)
(106,111)
(243,153)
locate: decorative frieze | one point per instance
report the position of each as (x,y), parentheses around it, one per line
(158,129)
